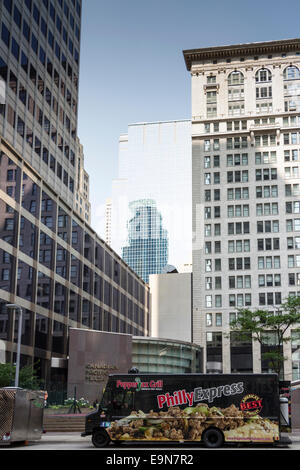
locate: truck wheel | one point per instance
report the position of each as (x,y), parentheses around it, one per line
(213,438)
(100,438)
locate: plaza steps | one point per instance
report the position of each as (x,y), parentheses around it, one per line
(64,423)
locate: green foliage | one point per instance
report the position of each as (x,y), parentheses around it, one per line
(27,377)
(260,324)
(7,375)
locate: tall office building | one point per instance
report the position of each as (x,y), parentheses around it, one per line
(155,164)
(40,46)
(82,194)
(147,250)
(246,205)
(52,263)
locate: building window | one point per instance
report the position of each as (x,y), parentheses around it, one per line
(211,103)
(291,86)
(236,93)
(218,319)
(5,35)
(208,301)
(263,79)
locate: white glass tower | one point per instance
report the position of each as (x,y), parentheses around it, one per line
(155,163)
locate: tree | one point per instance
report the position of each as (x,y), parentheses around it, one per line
(7,375)
(259,324)
(27,377)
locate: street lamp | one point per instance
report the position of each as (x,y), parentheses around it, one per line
(17,307)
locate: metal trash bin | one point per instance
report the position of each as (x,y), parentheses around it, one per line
(284,412)
(21,415)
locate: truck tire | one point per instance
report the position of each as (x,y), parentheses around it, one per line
(100,438)
(213,438)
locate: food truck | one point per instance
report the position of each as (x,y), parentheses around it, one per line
(210,409)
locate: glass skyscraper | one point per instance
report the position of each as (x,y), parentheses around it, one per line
(52,263)
(147,250)
(155,163)
(39,64)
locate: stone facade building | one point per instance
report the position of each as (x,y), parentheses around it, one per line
(246,199)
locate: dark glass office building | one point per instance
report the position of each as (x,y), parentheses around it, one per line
(39,63)
(52,263)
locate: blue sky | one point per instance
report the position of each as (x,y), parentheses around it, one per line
(132,67)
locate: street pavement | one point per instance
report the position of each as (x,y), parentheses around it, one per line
(73,441)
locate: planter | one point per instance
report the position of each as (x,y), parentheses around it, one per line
(65,410)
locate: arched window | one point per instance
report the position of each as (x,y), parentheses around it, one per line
(263,76)
(235,78)
(291,73)
(291,88)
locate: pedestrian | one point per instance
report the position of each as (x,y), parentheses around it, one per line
(95,404)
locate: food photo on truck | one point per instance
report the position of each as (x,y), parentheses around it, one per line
(209,409)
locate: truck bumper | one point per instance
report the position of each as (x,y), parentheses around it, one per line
(284,441)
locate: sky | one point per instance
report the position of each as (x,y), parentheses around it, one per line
(132,67)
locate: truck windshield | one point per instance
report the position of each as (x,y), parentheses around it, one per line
(118,402)
(106,398)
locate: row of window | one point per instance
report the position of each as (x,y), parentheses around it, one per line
(102,290)
(240,142)
(244,263)
(261,158)
(243,300)
(33,140)
(291,138)
(263,244)
(244,282)
(263,79)
(242,159)
(42,23)
(238,176)
(21,56)
(233,264)
(58,259)
(42,118)
(44,91)
(238,210)
(243,193)
(291,121)
(267,208)
(242,176)
(69,267)
(39,333)
(266,226)
(263,262)
(49,5)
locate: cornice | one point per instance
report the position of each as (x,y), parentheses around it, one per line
(237,50)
